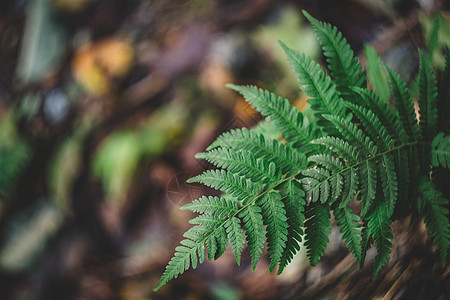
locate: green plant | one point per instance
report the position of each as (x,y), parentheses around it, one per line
(356,148)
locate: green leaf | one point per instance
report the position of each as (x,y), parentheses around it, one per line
(427,99)
(405,105)
(222,207)
(294,203)
(191,250)
(289,120)
(388,175)
(274,217)
(349,228)
(318,226)
(436,217)
(243,163)
(380,230)
(317,85)
(343,64)
(235,236)
(440,151)
(237,186)
(433,42)
(444,96)
(376,73)
(254,230)
(387,115)
(283,156)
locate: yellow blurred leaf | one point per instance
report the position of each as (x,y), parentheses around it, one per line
(95,65)
(114,56)
(71,5)
(88,73)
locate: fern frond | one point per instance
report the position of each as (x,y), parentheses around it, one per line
(380,230)
(216,242)
(294,202)
(387,115)
(284,157)
(326,182)
(349,228)
(254,230)
(388,175)
(403,204)
(206,220)
(444,96)
(340,147)
(318,226)
(223,207)
(350,189)
(235,237)
(440,151)
(317,85)
(427,99)
(328,161)
(372,126)
(191,251)
(366,242)
(243,163)
(368,175)
(237,186)
(405,105)
(376,73)
(344,66)
(295,127)
(435,212)
(357,147)
(353,135)
(274,217)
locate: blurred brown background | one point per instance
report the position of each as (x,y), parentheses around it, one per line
(103,105)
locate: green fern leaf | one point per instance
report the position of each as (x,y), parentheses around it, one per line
(444,96)
(440,151)
(284,157)
(217,243)
(274,217)
(366,242)
(235,237)
(376,73)
(435,212)
(254,230)
(381,232)
(237,186)
(368,175)
(289,120)
(294,205)
(191,252)
(427,99)
(353,135)
(328,181)
(351,184)
(403,170)
(349,228)
(344,66)
(387,115)
(221,207)
(341,148)
(373,126)
(318,226)
(317,85)
(243,163)
(405,105)
(386,169)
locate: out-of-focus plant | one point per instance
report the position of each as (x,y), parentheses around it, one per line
(14,153)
